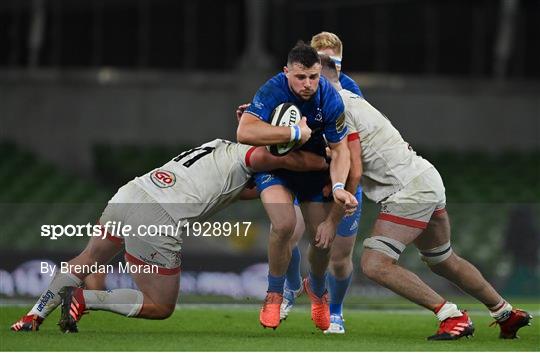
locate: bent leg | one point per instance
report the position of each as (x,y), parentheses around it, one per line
(454,268)
(379,265)
(277,201)
(294,277)
(315,213)
(341,268)
(160,294)
(98,250)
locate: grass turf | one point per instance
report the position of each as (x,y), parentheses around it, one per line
(237,329)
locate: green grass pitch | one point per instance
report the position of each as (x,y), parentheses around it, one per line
(236,328)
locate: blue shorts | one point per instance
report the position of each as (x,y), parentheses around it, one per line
(348,226)
(305,186)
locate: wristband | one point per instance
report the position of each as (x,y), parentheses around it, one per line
(338,186)
(295,133)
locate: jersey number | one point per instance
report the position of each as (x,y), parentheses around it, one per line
(203,151)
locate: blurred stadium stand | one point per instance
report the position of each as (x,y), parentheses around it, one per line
(427,37)
(95,92)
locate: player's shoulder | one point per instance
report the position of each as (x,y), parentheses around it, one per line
(275,88)
(327,91)
(279,80)
(330,98)
(217,143)
(349,84)
(347,95)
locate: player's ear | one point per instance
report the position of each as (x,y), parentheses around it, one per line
(285,70)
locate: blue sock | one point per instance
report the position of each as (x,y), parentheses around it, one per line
(294,278)
(275,284)
(338,289)
(318,284)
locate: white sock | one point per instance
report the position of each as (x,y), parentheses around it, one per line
(448,310)
(127,302)
(50,299)
(501,311)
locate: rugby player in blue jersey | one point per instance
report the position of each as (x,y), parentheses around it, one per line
(300,83)
(341,265)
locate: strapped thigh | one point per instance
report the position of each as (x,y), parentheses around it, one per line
(437,254)
(388,246)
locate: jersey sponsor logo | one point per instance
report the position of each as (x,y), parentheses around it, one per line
(340,123)
(163,178)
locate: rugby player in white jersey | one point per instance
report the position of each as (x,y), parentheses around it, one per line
(189,188)
(412,198)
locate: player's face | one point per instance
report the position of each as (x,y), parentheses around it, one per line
(303,81)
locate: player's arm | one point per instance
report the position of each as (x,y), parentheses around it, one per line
(256,132)
(262,160)
(355,171)
(339,170)
(345,201)
(249,193)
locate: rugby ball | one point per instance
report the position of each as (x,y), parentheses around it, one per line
(285,114)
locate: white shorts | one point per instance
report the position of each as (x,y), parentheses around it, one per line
(417,202)
(133,207)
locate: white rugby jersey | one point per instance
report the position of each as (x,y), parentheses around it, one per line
(388,162)
(199,182)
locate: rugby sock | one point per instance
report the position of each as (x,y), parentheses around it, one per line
(501,311)
(446,310)
(338,289)
(50,299)
(294,278)
(124,301)
(275,283)
(318,284)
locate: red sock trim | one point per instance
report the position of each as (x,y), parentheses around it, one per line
(498,306)
(438,308)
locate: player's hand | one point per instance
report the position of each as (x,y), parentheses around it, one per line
(346,200)
(305,131)
(240,110)
(326,232)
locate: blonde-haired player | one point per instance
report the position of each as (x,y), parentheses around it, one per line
(329,43)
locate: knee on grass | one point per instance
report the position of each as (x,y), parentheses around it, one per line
(157,311)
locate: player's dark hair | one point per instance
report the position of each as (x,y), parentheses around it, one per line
(329,69)
(303,54)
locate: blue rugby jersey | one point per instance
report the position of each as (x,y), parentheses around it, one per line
(324,111)
(349,84)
